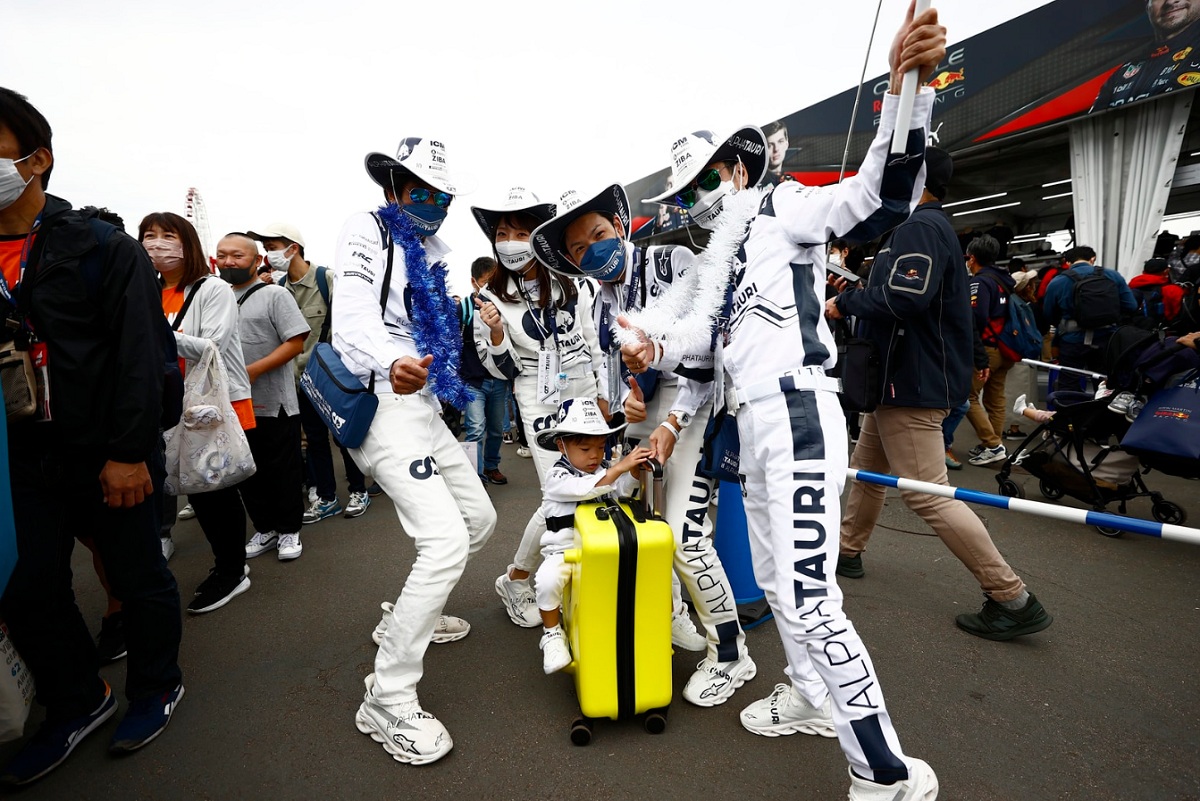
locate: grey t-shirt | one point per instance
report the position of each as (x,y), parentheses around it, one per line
(267,319)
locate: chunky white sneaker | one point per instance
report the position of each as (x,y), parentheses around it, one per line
(524,452)
(407,732)
(447,629)
(168,548)
(714,683)
(785,711)
(519,601)
(186,513)
(357,505)
(556,654)
(290,547)
(921,785)
(260,543)
(684,635)
(381,627)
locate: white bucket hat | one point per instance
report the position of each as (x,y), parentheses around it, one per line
(577,416)
(423,158)
(547,239)
(691,153)
(519,199)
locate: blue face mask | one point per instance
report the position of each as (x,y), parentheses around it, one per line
(604,261)
(425,216)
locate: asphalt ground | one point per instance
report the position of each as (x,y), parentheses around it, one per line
(1102,705)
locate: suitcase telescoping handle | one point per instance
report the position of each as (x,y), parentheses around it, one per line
(653,495)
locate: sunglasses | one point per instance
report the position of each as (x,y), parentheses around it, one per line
(709,180)
(440,199)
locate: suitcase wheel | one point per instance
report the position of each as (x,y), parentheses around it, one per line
(581,731)
(655,721)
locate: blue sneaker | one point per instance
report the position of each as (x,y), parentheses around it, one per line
(145,720)
(54,742)
(321,509)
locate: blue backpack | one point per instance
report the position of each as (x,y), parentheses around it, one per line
(1019,338)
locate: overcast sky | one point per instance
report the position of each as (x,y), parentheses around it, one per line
(268,108)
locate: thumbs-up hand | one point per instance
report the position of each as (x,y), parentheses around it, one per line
(635,403)
(408,375)
(639,355)
(490,315)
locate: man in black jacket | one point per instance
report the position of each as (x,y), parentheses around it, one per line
(916,309)
(90,459)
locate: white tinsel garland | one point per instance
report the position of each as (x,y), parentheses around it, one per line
(685,313)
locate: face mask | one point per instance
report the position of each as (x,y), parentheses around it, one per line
(604,261)
(425,216)
(166,255)
(835,259)
(278,259)
(237,275)
(514,255)
(709,206)
(12,185)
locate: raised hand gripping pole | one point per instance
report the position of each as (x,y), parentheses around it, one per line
(908,95)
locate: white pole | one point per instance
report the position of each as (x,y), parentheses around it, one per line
(908,95)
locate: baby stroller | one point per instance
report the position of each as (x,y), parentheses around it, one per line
(1077,452)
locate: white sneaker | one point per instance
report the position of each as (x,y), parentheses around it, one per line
(312,495)
(556,654)
(260,543)
(447,629)
(382,626)
(450,629)
(989,455)
(714,683)
(785,711)
(524,452)
(921,785)
(186,513)
(168,548)
(407,732)
(290,547)
(684,634)
(357,505)
(519,601)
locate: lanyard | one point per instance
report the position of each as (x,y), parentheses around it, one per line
(25,249)
(553,309)
(636,282)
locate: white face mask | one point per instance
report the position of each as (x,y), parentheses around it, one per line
(709,205)
(278,259)
(835,259)
(12,185)
(514,255)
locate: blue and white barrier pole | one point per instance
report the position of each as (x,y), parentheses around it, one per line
(1165,531)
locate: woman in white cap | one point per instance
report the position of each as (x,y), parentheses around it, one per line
(396,329)
(534,329)
(589,237)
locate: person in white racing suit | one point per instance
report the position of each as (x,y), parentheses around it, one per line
(771,244)
(396,329)
(589,238)
(534,329)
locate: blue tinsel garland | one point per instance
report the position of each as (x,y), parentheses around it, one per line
(434,315)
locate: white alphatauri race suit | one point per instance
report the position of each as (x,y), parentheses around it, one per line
(688,388)
(408,449)
(793,430)
(565,328)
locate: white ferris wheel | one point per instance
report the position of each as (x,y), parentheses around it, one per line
(197,215)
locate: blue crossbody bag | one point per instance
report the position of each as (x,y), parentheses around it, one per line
(341,400)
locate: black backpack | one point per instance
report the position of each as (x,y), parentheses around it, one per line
(1189,310)
(1097,301)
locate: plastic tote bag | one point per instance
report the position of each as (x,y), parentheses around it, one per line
(16,690)
(208,450)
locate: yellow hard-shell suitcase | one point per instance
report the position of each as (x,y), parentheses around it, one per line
(617,610)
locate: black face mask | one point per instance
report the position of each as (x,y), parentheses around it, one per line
(237,275)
